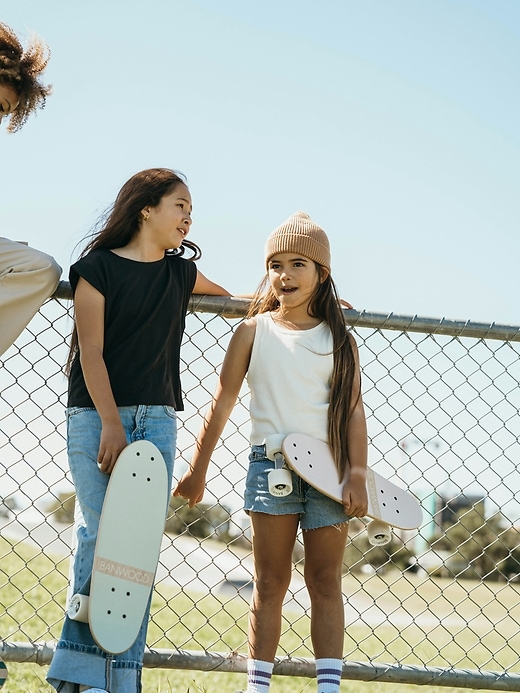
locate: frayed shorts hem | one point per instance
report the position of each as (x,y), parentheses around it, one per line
(307,528)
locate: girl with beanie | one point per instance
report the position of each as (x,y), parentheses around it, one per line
(302,368)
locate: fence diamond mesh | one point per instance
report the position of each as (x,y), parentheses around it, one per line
(437,605)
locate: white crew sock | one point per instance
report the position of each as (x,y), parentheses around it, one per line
(258,675)
(328,674)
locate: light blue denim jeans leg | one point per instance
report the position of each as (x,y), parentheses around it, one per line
(78,660)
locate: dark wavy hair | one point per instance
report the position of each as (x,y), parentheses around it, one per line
(21,70)
(122,221)
(325,305)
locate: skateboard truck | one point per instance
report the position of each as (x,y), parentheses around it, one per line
(280,481)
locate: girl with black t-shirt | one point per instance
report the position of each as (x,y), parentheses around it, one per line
(131,290)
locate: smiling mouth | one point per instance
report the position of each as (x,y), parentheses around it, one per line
(182,231)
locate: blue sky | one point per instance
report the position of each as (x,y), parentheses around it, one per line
(394,123)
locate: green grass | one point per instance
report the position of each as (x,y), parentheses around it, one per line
(479,627)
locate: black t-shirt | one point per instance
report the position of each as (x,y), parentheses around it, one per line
(145,315)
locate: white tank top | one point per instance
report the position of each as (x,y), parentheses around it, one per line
(289,377)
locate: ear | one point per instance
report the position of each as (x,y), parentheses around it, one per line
(145,213)
(323,272)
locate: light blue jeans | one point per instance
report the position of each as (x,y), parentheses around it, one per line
(78,660)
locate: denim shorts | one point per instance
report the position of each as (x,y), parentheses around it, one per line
(77,659)
(314,508)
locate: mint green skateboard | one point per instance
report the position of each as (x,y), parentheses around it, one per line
(127,549)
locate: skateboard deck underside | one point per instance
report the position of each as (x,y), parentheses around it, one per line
(128,546)
(312,460)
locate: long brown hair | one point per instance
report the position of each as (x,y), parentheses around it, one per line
(118,226)
(21,70)
(325,305)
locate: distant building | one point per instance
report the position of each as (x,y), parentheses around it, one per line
(439,512)
(449,508)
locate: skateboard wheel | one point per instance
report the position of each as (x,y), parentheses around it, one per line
(280,482)
(379,533)
(78,608)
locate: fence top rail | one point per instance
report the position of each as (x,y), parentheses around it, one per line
(233,307)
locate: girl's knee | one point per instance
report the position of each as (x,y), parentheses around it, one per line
(323,582)
(272,586)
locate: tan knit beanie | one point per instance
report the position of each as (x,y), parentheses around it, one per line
(299,234)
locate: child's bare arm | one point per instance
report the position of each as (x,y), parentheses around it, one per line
(355,498)
(89,306)
(191,485)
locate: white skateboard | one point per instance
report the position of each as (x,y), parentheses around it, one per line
(388,504)
(127,548)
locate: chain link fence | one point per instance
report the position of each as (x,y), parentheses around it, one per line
(439,605)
